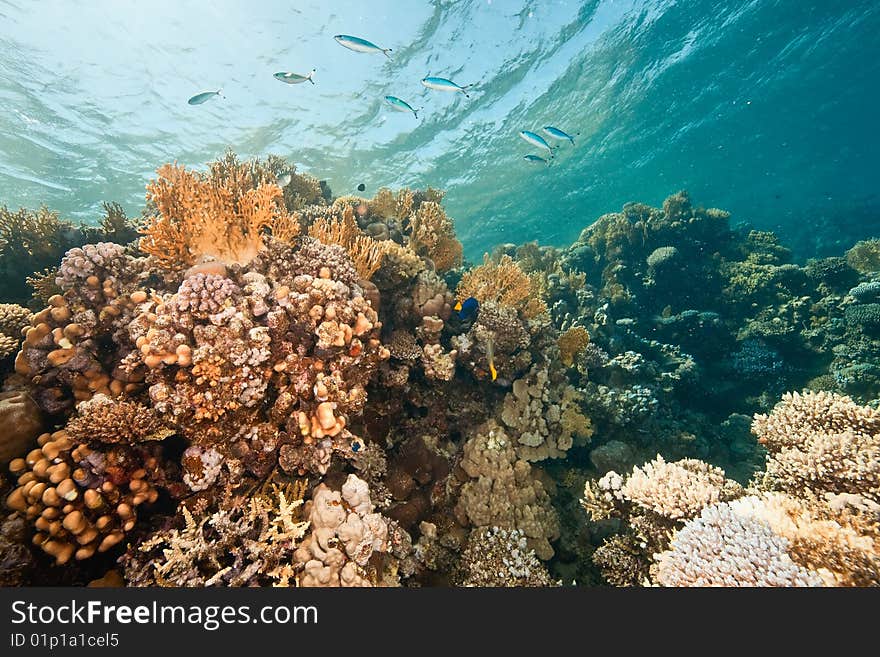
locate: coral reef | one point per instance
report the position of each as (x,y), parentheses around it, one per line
(272,387)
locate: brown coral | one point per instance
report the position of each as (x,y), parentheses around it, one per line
(81,500)
(110,421)
(199,215)
(571,343)
(504,283)
(432,235)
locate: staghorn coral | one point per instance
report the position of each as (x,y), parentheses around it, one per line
(250,544)
(504,283)
(494,556)
(82,499)
(503,492)
(721,548)
(205,215)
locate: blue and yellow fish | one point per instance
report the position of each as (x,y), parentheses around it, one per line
(467,309)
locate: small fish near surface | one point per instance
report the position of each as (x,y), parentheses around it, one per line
(442,84)
(536,140)
(361,187)
(536,159)
(360,45)
(467,309)
(294,78)
(198,99)
(556,133)
(401,105)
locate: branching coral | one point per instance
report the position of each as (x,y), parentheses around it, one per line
(675,490)
(821,442)
(199,215)
(432,235)
(504,283)
(721,548)
(251,544)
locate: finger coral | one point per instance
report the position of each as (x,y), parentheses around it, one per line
(82,499)
(503,492)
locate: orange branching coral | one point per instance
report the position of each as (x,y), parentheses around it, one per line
(286,228)
(504,283)
(434,236)
(365,252)
(199,216)
(571,343)
(385,204)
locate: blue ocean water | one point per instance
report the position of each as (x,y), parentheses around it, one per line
(765,108)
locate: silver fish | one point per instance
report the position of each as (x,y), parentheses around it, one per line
(284,181)
(535,159)
(360,45)
(556,133)
(294,78)
(536,140)
(401,105)
(198,99)
(442,84)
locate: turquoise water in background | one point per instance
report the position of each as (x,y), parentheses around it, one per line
(767,109)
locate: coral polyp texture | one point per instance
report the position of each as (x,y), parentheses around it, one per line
(270,386)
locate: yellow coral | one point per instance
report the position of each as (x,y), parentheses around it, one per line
(865,256)
(199,215)
(504,283)
(571,343)
(433,236)
(386,205)
(365,252)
